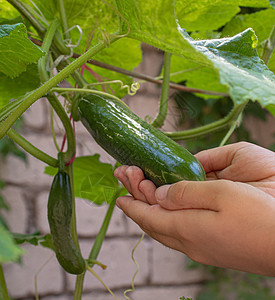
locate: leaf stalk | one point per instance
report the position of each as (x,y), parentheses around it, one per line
(163,106)
(269,46)
(30,148)
(209,128)
(3,285)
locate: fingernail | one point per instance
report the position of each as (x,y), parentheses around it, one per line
(161,192)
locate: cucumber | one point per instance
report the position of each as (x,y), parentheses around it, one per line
(59,217)
(132,141)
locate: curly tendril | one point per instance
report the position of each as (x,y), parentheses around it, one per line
(131,90)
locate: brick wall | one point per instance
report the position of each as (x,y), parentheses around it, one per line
(162,274)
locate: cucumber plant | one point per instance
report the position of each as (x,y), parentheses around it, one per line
(44,43)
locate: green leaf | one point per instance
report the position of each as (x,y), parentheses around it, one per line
(93,180)
(9,251)
(254,3)
(262,23)
(17,51)
(271,109)
(33,239)
(16,87)
(8,13)
(240,68)
(237,66)
(88,15)
(205,14)
(7,146)
(154,23)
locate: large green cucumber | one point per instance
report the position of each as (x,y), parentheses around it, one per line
(59,216)
(132,141)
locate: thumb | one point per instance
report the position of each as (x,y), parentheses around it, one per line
(194,194)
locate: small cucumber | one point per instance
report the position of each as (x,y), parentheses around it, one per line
(59,217)
(132,141)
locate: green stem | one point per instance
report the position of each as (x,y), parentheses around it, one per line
(231,130)
(269,46)
(3,285)
(51,97)
(163,107)
(79,278)
(23,10)
(42,90)
(42,62)
(79,286)
(90,91)
(71,145)
(102,232)
(209,128)
(62,13)
(27,146)
(73,220)
(53,133)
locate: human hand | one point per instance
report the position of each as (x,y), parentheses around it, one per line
(226,221)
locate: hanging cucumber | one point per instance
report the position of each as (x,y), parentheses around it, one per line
(59,217)
(132,141)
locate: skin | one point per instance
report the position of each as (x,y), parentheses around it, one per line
(226,221)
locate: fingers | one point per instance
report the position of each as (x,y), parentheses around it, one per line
(133,179)
(242,162)
(210,195)
(151,218)
(217,159)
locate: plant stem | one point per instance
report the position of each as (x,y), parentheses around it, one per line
(163,106)
(209,128)
(269,46)
(231,130)
(51,97)
(73,220)
(30,148)
(3,285)
(62,14)
(42,62)
(103,229)
(150,78)
(71,145)
(145,77)
(87,91)
(42,90)
(79,286)
(79,278)
(21,7)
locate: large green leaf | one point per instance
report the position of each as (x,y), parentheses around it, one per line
(7,12)
(88,15)
(262,23)
(12,88)
(9,251)
(93,180)
(154,23)
(206,14)
(16,50)
(254,3)
(238,66)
